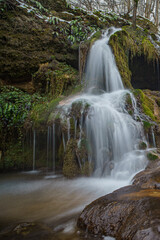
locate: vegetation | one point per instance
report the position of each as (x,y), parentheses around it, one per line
(127,44)
(15,106)
(146,104)
(54,78)
(40,113)
(152,156)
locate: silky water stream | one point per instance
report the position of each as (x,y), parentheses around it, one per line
(114,136)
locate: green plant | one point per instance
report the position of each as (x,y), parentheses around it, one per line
(15,106)
(79,31)
(152,156)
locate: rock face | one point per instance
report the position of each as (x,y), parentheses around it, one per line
(27,41)
(145,74)
(132,212)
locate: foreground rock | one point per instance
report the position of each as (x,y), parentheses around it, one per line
(132,212)
(27,231)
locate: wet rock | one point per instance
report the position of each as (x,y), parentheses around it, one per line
(28,231)
(142,145)
(128,213)
(150,177)
(152,156)
(70,166)
(132,212)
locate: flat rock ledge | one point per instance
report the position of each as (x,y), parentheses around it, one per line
(132,212)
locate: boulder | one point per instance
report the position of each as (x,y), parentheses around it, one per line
(132,212)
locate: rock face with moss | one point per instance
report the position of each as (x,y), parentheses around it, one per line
(54,78)
(136,58)
(27,41)
(73,149)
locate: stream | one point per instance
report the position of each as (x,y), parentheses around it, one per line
(51,199)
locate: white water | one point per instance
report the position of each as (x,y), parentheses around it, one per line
(102,73)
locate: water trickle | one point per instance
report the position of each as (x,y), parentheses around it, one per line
(34,149)
(48,145)
(54,139)
(75,128)
(68,125)
(64,143)
(153,137)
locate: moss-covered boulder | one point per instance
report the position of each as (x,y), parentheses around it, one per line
(54,78)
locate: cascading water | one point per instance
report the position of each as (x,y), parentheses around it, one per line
(113,134)
(102,73)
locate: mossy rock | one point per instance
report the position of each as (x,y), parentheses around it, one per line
(16,159)
(41,114)
(54,78)
(152,156)
(87,169)
(70,166)
(147,125)
(117,42)
(142,146)
(127,44)
(146,104)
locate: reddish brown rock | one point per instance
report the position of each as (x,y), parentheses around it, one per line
(128,213)
(132,212)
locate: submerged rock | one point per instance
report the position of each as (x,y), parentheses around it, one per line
(29,230)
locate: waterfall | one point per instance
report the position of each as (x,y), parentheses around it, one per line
(114,135)
(102,73)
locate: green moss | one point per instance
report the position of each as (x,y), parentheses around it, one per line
(128,43)
(17,159)
(152,157)
(147,104)
(142,145)
(117,43)
(54,78)
(146,125)
(70,166)
(149,50)
(95,37)
(87,169)
(42,113)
